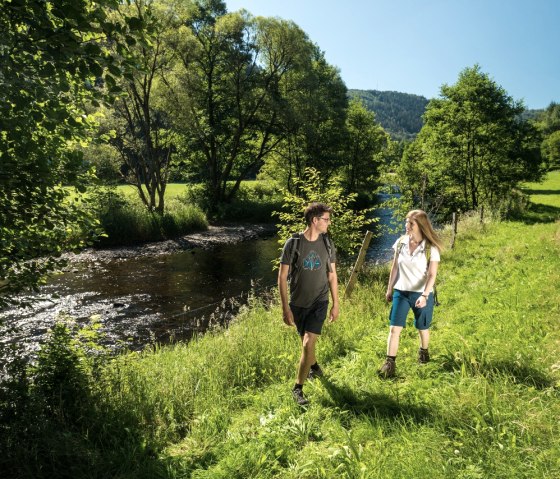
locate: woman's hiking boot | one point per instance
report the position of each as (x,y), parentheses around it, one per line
(423,356)
(298,396)
(388,369)
(315,372)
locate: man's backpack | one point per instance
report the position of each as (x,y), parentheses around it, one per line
(294,255)
(427,252)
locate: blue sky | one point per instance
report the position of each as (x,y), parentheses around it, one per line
(415,46)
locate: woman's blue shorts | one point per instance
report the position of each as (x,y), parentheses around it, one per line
(403,302)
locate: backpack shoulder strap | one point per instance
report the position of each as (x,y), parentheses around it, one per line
(329,247)
(294,248)
(400,245)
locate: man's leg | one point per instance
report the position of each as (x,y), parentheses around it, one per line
(308,342)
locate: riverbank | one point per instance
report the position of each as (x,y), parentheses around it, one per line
(487,405)
(215,235)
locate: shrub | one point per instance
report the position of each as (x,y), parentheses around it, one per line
(347,226)
(255,201)
(126,220)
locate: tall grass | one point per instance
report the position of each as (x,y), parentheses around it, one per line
(487,405)
(126,220)
(254,202)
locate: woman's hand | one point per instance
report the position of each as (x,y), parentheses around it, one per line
(389,295)
(421,302)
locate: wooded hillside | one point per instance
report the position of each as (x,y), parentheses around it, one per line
(400,114)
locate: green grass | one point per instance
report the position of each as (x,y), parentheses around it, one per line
(254,202)
(486,406)
(172,190)
(546,193)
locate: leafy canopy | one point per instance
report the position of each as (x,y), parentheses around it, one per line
(54,57)
(473,149)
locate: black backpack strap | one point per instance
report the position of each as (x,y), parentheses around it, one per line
(294,254)
(329,247)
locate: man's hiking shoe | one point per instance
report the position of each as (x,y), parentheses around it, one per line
(297,393)
(423,356)
(388,369)
(315,372)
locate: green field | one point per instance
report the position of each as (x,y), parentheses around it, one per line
(171,191)
(486,406)
(546,193)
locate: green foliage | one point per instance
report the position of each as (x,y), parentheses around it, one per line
(245,90)
(347,225)
(126,220)
(548,121)
(255,201)
(52,56)
(473,149)
(366,144)
(485,406)
(141,125)
(400,114)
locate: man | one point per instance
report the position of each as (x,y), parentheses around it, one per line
(308,263)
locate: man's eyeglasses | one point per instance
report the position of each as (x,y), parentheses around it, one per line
(328,220)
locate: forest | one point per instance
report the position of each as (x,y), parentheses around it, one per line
(400,114)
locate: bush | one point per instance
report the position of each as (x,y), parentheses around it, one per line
(347,226)
(180,218)
(126,220)
(254,202)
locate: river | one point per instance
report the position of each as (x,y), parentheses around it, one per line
(143,299)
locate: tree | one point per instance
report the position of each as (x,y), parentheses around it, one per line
(144,137)
(366,141)
(52,56)
(423,184)
(549,124)
(223,92)
(348,224)
(476,140)
(551,149)
(312,122)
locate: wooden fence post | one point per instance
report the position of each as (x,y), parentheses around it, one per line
(453,229)
(357,265)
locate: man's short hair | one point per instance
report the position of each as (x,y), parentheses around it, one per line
(315,210)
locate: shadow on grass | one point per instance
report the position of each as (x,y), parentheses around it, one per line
(53,425)
(497,370)
(539,213)
(376,405)
(540,192)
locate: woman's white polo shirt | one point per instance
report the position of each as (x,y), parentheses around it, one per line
(412,272)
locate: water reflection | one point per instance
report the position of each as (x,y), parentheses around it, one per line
(132,296)
(142,299)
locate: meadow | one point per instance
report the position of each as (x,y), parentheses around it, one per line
(486,406)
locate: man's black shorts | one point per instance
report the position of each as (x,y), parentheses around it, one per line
(310,319)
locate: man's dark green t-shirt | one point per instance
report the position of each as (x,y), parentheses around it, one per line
(312,282)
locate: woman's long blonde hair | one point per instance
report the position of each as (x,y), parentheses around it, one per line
(426,228)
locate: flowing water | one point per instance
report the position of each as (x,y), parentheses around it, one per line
(147,299)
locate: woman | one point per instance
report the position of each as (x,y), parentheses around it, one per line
(411,283)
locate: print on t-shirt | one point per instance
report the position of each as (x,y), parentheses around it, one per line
(312,261)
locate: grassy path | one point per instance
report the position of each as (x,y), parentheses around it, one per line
(487,405)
